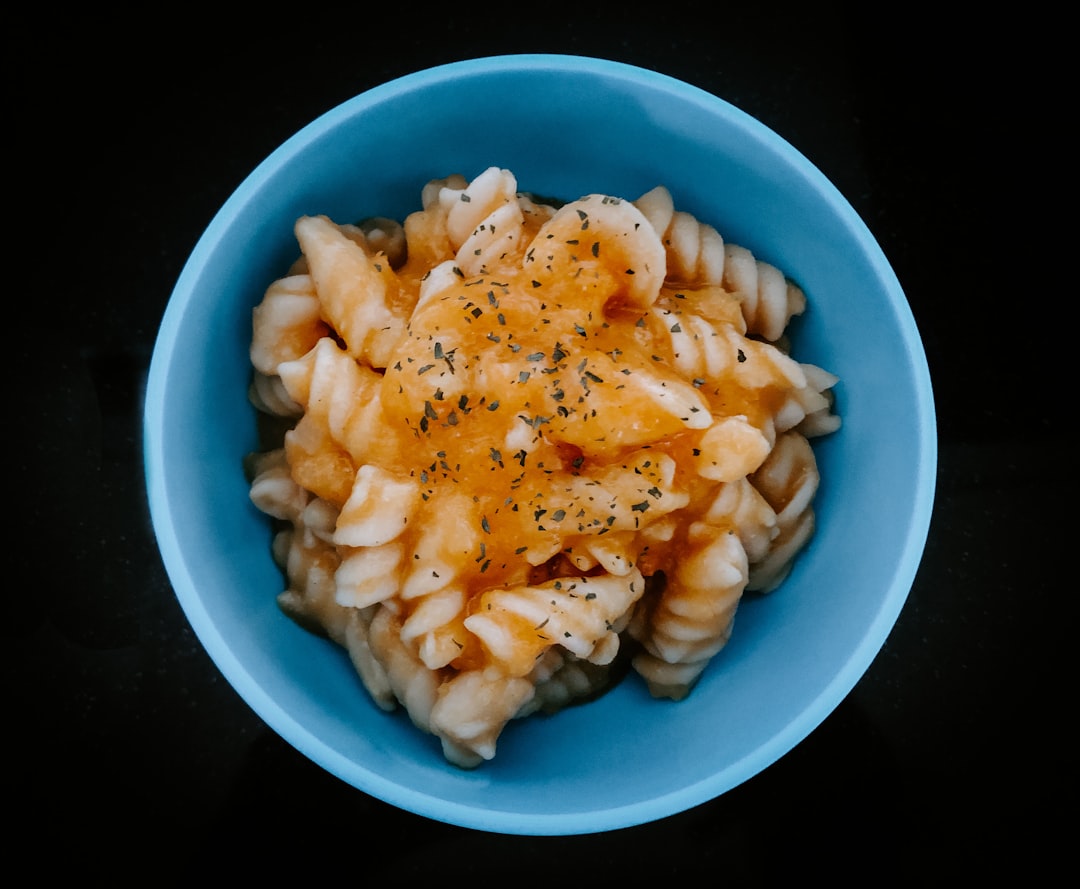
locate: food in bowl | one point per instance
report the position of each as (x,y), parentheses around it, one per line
(566,126)
(515,448)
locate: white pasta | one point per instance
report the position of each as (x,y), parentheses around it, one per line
(817,402)
(378,509)
(740,506)
(367,575)
(574,612)
(353,290)
(472,709)
(310,564)
(414,686)
(485,222)
(286,324)
(517,451)
(341,403)
(788,480)
(730,449)
(695,250)
(692,620)
(769,300)
(435,625)
(368,666)
(273,489)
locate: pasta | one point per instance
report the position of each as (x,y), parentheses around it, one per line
(526,448)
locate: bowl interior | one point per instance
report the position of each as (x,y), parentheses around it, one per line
(566,127)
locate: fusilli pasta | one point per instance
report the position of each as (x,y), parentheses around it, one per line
(527,447)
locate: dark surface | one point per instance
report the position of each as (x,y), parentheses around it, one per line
(127,753)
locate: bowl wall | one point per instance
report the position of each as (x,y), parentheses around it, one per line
(565,127)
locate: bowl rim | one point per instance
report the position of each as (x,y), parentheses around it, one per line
(416,800)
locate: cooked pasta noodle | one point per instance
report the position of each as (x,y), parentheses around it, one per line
(695,609)
(527,447)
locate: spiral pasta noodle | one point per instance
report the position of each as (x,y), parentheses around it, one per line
(526,448)
(698,255)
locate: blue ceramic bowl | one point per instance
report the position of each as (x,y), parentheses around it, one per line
(565,126)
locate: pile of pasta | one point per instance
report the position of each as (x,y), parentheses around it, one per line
(519,449)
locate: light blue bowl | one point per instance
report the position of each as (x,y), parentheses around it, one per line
(565,126)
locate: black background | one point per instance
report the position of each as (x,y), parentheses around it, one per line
(128,756)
